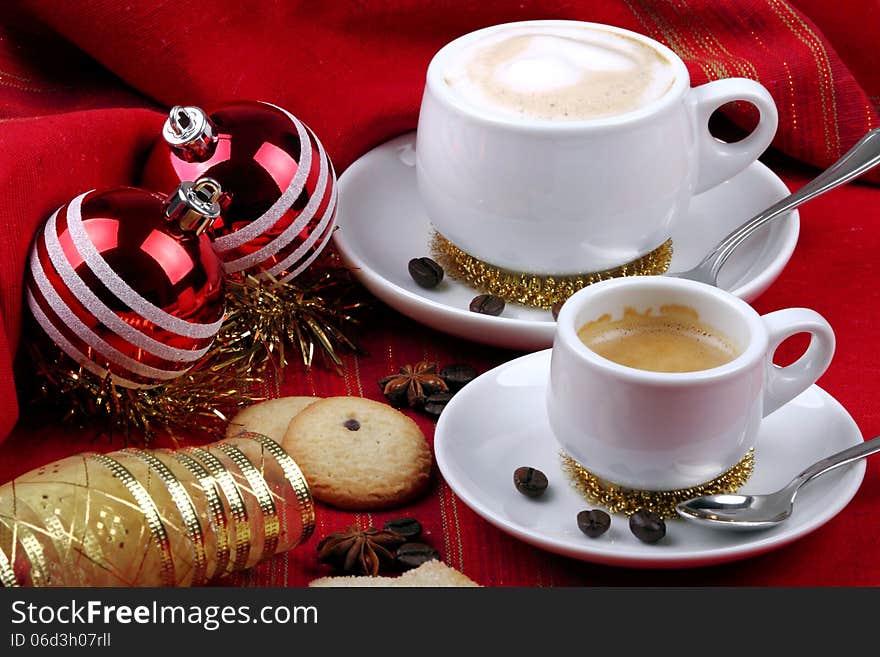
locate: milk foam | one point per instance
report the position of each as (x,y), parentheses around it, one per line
(558,73)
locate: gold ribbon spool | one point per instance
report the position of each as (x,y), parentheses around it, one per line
(7,574)
(618,499)
(62,536)
(151,514)
(236,505)
(258,487)
(537,290)
(33,551)
(209,486)
(65,542)
(296,479)
(185,507)
(56,560)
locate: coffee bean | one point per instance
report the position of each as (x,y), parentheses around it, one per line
(409,528)
(435,404)
(556,308)
(487,304)
(352,424)
(413,555)
(425,272)
(593,522)
(529,481)
(458,376)
(647,526)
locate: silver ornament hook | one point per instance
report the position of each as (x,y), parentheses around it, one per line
(190,133)
(194,206)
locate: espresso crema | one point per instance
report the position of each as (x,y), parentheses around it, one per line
(670,339)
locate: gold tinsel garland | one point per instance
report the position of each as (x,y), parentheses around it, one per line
(265,321)
(198,400)
(618,499)
(532,289)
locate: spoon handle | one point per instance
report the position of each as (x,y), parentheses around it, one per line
(857,160)
(836,460)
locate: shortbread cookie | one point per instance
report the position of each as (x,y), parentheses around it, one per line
(429,574)
(359,454)
(269,417)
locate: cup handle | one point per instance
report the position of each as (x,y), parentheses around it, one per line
(782,384)
(720,161)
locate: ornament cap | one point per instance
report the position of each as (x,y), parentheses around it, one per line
(190,133)
(193,206)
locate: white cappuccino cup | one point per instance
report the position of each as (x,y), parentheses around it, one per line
(565,147)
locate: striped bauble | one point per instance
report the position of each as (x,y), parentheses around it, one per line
(122,289)
(279,205)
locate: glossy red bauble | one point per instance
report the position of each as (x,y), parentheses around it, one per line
(279,204)
(121,288)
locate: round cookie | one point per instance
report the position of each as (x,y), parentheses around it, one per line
(269,417)
(359,454)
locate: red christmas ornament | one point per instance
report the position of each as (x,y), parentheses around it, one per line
(125,281)
(279,203)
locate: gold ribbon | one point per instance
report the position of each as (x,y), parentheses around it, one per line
(537,290)
(150,511)
(215,508)
(271,524)
(64,539)
(187,510)
(236,505)
(7,574)
(295,477)
(33,550)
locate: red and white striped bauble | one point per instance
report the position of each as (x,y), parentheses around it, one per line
(121,289)
(279,205)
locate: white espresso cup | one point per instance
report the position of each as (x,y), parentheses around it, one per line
(551,195)
(651,430)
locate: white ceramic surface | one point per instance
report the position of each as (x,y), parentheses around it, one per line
(477,452)
(672,430)
(382,225)
(565,197)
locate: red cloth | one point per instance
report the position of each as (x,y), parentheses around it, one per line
(83,87)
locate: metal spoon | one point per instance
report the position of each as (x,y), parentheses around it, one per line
(860,158)
(762,511)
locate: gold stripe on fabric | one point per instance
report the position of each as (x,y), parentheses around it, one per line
(712,69)
(711,42)
(454,505)
(823,66)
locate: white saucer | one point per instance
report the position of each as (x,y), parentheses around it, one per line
(497,423)
(382,226)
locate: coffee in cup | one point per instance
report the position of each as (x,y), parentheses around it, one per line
(650,430)
(558,73)
(670,338)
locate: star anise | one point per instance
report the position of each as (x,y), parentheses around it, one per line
(413,384)
(360,551)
